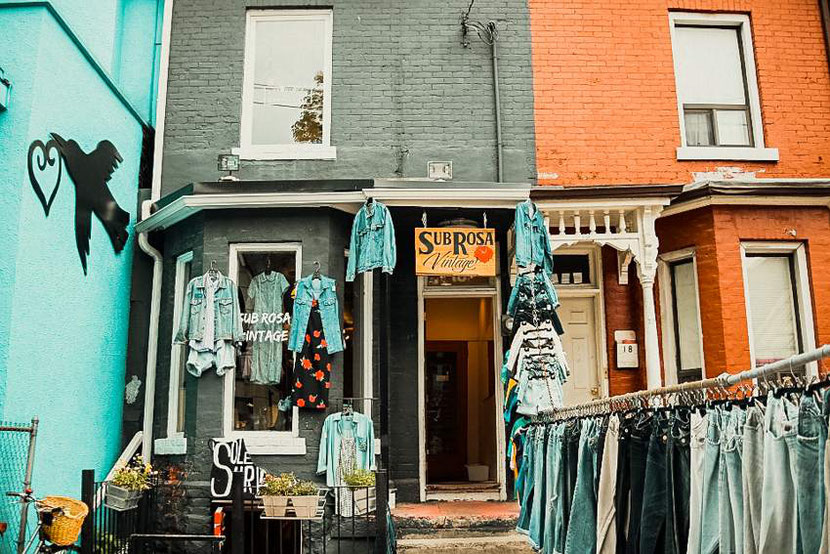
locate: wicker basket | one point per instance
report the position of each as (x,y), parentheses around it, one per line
(66,524)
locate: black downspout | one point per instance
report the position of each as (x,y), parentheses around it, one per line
(824,9)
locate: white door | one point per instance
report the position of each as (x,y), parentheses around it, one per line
(580,341)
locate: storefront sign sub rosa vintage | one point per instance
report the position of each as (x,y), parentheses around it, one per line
(455,251)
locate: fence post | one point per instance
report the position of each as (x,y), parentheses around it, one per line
(88,497)
(381,509)
(237,517)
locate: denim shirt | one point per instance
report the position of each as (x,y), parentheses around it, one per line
(227,320)
(513,303)
(373,241)
(326,296)
(532,238)
(364,437)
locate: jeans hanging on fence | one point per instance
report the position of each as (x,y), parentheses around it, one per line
(639,436)
(537,515)
(812,433)
(779,511)
(523,525)
(730,501)
(582,527)
(696,449)
(709,511)
(752,470)
(606,506)
(825,526)
(554,535)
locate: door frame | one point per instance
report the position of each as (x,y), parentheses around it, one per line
(596,292)
(494,293)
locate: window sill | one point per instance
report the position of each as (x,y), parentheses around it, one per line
(737,153)
(272,444)
(289,152)
(170,446)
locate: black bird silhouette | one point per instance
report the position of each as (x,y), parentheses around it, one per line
(91,173)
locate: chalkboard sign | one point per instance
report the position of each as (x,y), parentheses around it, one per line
(232,461)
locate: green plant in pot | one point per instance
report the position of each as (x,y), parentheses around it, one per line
(362,485)
(274,492)
(127,486)
(304,497)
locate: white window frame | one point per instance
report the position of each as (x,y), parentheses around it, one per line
(758,152)
(248,151)
(262,442)
(667,315)
(175,442)
(803,300)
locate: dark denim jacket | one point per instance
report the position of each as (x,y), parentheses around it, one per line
(532,238)
(326,297)
(227,321)
(373,241)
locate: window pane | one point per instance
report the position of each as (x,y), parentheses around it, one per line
(709,66)
(772,308)
(572,269)
(733,129)
(289,67)
(688,330)
(699,128)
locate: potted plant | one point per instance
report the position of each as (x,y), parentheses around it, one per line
(362,485)
(304,497)
(274,492)
(128,483)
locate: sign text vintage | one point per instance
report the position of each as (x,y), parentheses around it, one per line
(455,251)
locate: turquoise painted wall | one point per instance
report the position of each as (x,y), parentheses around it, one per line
(63,334)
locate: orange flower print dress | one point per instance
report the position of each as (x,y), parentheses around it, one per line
(312,367)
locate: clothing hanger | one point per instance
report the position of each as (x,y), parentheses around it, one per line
(213,272)
(268,265)
(348,409)
(316,274)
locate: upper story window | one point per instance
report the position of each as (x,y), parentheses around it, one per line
(286,94)
(717,91)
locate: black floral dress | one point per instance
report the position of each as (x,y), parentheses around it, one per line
(312,367)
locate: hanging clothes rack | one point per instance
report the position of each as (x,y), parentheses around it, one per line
(720,382)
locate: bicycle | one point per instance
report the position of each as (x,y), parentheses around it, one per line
(49,516)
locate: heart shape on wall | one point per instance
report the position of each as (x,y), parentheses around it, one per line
(46,156)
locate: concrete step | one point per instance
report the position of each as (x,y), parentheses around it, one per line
(488,543)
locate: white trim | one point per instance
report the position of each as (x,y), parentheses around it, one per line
(463,495)
(176,350)
(494,293)
(737,153)
(667,314)
(367,335)
(803,292)
(473,197)
(262,442)
(161,99)
(284,151)
(742,23)
(745,201)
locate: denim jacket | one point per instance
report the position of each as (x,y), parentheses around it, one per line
(521,279)
(373,240)
(326,296)
(364,437)
(532,239)
(227,320)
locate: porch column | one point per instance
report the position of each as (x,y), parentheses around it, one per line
(646,272)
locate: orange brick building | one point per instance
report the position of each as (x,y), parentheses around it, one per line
(685,151)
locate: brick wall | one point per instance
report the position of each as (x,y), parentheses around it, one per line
(404,91)
(606,106)
(716,233)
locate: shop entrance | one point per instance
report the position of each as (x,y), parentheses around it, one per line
(462,438)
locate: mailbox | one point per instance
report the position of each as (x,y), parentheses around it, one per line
(627,351)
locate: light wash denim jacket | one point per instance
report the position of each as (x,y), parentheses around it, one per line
(373,241)
(364,438)
(532,238)
(326,296)
(227,321)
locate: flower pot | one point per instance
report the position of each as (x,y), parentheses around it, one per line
(121,499)
(364,500)
(305,507)
(275,506)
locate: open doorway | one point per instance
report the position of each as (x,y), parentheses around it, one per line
(460,396)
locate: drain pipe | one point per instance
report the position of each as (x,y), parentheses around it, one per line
(152,339)
(489,34)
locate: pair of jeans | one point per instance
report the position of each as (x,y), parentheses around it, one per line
(812,434)
(825,527)
(665,514)
(606,507)
(779,507)
(697,447)
(537,511)
(582,527)
(635,432)
(710,510)
(571,440)
(554,536)
(752,470)
(527,468)
(731,502)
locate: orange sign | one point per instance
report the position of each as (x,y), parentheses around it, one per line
(455,251)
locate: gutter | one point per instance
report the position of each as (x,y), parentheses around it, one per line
(152,339)
(824,10)
(161,99)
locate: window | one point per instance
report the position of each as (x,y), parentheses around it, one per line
(258,394)
(717,91)
(680,313)
(776,289)
(286,94)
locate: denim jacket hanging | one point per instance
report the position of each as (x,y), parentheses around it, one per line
(227,320)
(373,240)
(532,238)
(326,296)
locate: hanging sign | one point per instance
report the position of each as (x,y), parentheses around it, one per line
(231,461)
(455,251)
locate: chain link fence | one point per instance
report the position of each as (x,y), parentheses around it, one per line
(15,440)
